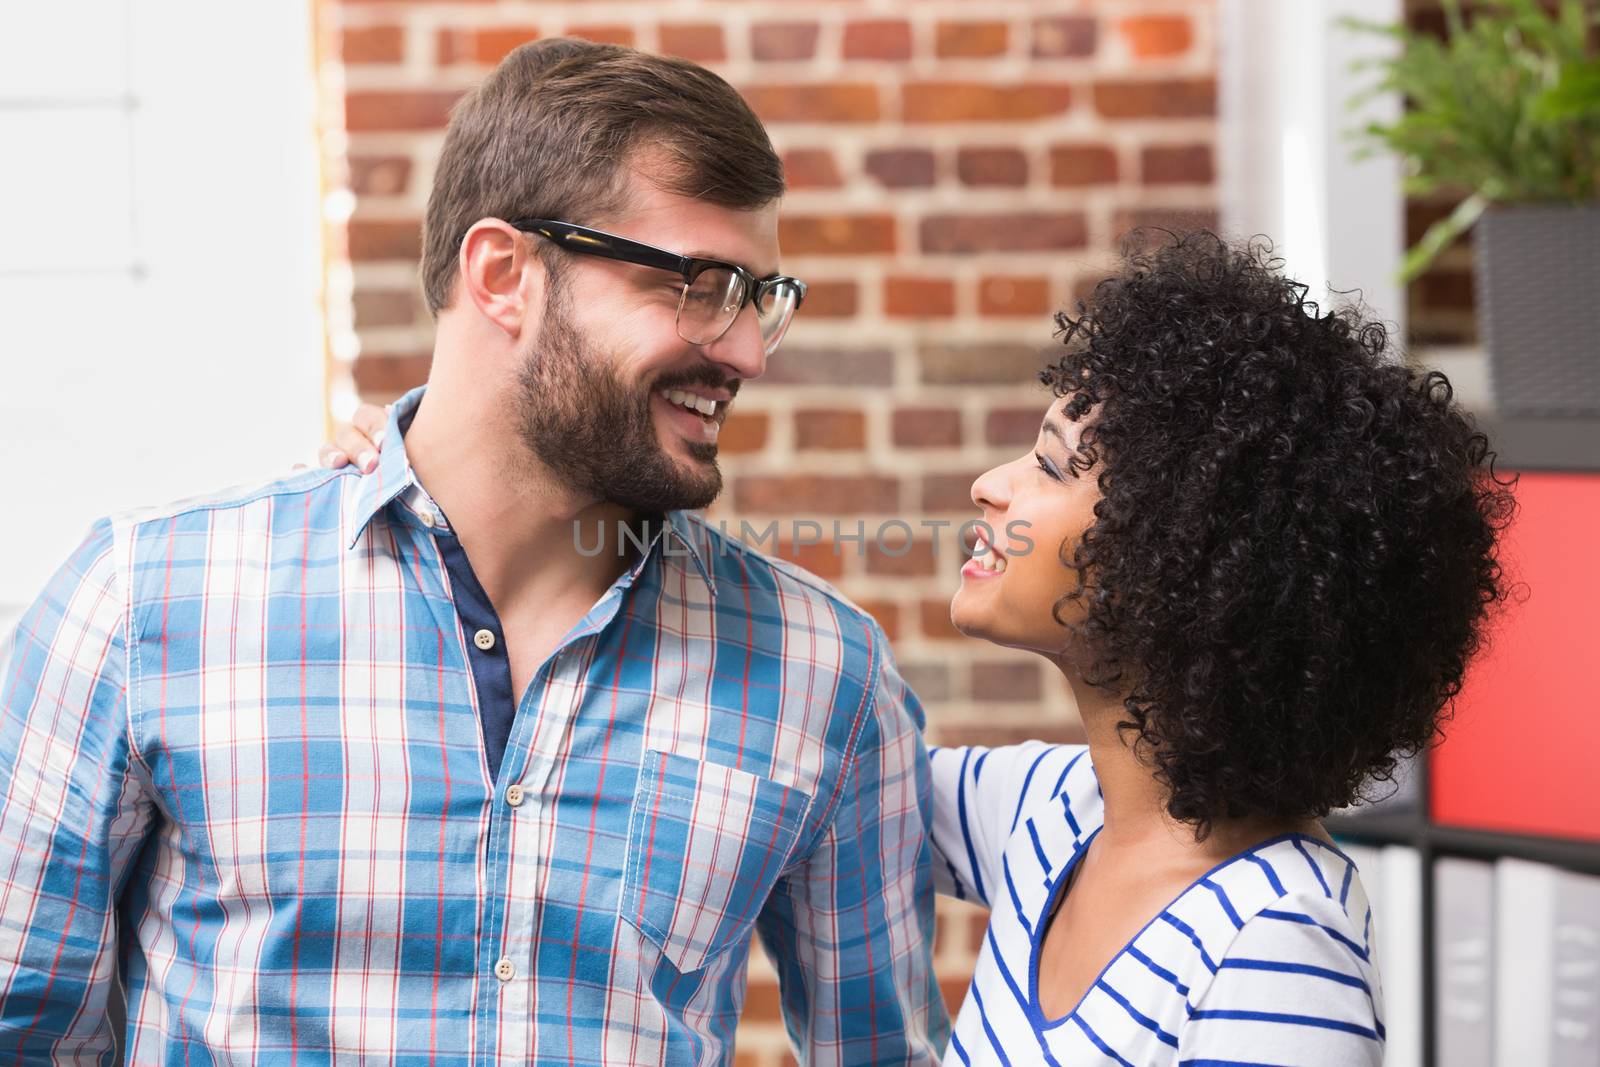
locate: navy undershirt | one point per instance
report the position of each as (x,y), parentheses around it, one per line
(491,668)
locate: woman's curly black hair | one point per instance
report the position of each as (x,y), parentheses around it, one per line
(1295,551)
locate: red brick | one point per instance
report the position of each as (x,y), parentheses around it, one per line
(948,491)
(1007,681)
(836,235)
(1018,231)
(811,168)
(1004,295)
(1156,98)
(380,378)
(992,166)
(830,300)
(833,365)
(1177,220)
(490,46)
(832,102)
(954,991)
(830,428)
(822,558)
(743,431)
(814,493)
(385,239)
(451,46)
(962,40)
(901,168)
(1150,36)
(1176,164)
(699,41)
(783,41)
(895,555)
(606,34)
(373,44)
(919,298)
(1065,37)
(372,110)
(887,612)
(949,101)
(385,307)
(926,427)
(763,1002)
(1082,164)
(936,621)
(1012,426)
(877,39)
(980,363)
(379,175)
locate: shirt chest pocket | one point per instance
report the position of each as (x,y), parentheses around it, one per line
(706,845)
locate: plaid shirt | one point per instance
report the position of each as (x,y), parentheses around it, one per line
(241,760)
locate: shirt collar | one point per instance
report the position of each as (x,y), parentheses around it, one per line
(393,472)
(393,476)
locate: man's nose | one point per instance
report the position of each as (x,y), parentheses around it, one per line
(741,350)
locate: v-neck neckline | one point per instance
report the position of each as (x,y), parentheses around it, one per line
(1056,894)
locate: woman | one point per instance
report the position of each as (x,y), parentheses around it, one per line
(1260,553)
(1265,552)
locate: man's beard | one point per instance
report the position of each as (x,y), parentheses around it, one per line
(594,431)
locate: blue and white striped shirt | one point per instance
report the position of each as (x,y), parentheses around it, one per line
(1265,959)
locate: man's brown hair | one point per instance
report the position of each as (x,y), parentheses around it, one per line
(551,130)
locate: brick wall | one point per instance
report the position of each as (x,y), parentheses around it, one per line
(957,172)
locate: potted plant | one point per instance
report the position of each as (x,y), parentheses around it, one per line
(1505,111)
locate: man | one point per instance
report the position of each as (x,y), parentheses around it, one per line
(388,764)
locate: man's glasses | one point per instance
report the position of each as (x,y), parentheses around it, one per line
(713,294)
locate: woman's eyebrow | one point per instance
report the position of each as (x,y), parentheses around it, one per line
(1052,428)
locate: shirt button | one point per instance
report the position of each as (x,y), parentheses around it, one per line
(426,517)
(514,796)
(505,970)
(484,639)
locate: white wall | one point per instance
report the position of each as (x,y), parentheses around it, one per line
(160,266)
(1285,162)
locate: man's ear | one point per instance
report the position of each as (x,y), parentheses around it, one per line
(500,275)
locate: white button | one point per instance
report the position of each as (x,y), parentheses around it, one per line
(504,970)
(484,639)
(514,796)
(427,518)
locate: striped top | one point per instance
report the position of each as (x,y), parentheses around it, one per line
(1265,959)
(243,761)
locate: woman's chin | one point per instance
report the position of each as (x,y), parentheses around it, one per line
(970,618)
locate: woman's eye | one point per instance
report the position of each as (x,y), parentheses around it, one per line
(1048,467)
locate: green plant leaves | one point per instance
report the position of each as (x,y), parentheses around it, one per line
(1506,107)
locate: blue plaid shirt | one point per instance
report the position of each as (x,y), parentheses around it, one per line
(243,761)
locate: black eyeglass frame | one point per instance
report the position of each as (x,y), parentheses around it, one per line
(587,241)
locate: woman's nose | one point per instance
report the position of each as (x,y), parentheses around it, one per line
(992,490)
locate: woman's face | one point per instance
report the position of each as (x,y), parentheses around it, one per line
(1034,498)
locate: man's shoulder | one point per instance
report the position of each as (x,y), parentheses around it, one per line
(178,536)
(310,486)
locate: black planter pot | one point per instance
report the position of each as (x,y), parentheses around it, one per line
(1537,269)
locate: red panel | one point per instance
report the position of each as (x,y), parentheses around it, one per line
(1523,754)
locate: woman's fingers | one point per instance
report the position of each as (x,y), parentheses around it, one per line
(361,438)
(354,442)
(372,420)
